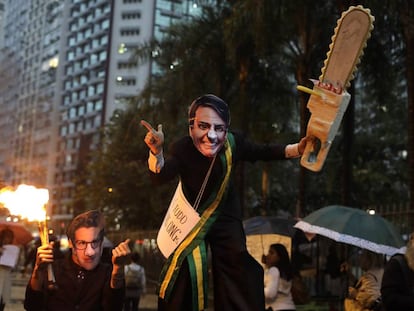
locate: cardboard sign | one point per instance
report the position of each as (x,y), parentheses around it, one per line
(178,222)
(9,255)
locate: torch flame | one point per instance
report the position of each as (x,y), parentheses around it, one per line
(26,201)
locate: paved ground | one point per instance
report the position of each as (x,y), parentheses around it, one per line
(148,301)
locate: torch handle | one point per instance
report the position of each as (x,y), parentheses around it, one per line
(44,237)
(51,281)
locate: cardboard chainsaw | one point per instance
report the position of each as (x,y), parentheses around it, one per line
(329,98)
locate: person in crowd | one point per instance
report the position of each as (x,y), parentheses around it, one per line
(347,279)
(204,161)
(30,258)
(79,281)
(135,283)
(332,272)
(397,288)
(365,294)
(11,252)
(57,252)
(278,279)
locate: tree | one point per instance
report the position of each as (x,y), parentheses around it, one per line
(407,20)
(253,54)
(118,177)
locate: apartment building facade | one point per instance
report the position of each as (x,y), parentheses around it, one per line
(67,67)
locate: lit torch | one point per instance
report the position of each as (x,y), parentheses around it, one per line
(30,202)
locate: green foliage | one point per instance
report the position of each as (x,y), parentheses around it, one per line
(253,54)
(118,179)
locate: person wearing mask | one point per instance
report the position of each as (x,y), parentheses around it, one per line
(204,161)
(82,281)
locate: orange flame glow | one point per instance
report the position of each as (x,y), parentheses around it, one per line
(26,201)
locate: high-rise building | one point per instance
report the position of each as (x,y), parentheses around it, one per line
(29,51)
(65,68)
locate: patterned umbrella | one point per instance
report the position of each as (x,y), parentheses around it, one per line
(356,227)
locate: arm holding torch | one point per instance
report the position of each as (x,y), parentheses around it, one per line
(44,259)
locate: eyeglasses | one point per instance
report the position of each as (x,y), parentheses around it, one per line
(82,245)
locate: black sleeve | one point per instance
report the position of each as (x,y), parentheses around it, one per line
(171,162)
(247,150)
(33,299)
(396,293)
(114,300)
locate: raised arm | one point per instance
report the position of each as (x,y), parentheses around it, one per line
(44,256)
(154,138)
(121,256)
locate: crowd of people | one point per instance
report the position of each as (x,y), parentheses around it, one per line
(204,161)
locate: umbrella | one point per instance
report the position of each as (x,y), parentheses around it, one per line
(356,227)
(262,231)
(269,225)
(22,236)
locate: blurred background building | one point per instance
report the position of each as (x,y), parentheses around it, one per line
(64,69)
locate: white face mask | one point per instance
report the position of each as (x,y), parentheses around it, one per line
(208,132)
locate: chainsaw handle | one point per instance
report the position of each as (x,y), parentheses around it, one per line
(315,154)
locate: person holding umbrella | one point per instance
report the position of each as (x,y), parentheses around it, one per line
(365,294)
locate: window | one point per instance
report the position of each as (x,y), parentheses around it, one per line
(131,15)
(66,100)
(71,41)
(125,47)
(105,24)
(84,78)
(68,85)
(129,31)
(89,107)
(63,131)
(100,88)
(127,65)
(72,113)
(125,81)
(73,26)
(70,56)
(102,56)
(91,90)
(81,110)
(98,105)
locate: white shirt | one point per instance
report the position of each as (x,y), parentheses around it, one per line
(277,291)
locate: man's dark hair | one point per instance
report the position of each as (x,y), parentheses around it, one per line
(211,101)
(135,257)
(89,219)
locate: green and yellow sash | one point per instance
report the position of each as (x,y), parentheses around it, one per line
(193,247)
